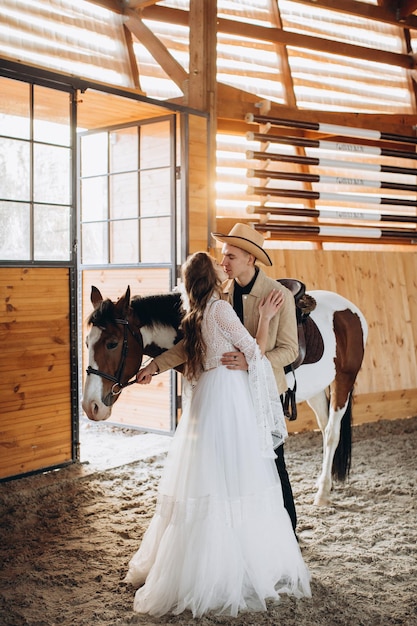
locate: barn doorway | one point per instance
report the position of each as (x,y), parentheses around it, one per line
(81,224)
(129,236)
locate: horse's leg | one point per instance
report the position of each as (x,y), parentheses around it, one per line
(331,437)
(337,435)
(329,423)
(320,406)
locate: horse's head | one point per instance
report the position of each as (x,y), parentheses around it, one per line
(115,350)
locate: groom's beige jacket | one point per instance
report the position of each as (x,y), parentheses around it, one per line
(282,342)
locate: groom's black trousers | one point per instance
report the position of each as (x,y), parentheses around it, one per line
(286,485)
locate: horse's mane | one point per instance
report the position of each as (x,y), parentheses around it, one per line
(104,314)
(166,309)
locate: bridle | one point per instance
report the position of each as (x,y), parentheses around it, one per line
(117,379)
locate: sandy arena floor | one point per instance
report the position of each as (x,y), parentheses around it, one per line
(66,536)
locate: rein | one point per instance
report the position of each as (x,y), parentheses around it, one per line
(117,379)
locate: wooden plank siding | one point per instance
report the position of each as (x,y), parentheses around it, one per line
(35,383)
(384,285)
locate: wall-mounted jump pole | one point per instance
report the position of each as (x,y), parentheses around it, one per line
(329,180)
(330,129)
(306,230)
(272,192)
(337,146)
(330,163)
(349,214)
(363,151)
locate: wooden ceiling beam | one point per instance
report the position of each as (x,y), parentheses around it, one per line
(134,69)
(138,4)
(385,12)
(388,13)
(233,104)
(276,35)
(156,48)
(202,75)
(280,36)
(406,9)
(117,6)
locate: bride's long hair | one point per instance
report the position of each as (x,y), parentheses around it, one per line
(201,281)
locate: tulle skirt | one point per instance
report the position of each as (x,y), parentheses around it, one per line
(221,540)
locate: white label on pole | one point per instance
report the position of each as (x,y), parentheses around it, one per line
(344,180)
(349,147)
(338,231)
(353,132)
(373,167)
(346,198)
(351,215)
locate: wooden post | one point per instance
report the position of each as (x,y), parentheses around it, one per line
(202,92)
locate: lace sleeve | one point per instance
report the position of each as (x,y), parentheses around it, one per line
(272,428)
(233,330)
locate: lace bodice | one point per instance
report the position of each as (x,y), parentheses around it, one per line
(224,332)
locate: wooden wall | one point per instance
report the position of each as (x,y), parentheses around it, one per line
(35,384)
(384,286)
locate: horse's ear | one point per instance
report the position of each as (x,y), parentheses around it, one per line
(96,297)
(123,303)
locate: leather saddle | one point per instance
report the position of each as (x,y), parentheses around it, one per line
(310,341)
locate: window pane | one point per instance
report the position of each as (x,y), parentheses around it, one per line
(125,242)
(51,116)
(51,174)
(124,195)
(94,243)
(94,154)
(14,169)
(14,111)
(155,145)
(124,149)
(155,192)
(155,240)
(52,233)
(14,231)
(94,199)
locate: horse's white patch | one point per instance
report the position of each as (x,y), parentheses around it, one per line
(313,378)
(180,288)
(162,336)
(93,387)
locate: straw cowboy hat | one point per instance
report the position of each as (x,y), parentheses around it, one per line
(246,238)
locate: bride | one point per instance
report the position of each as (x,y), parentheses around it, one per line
(220,540)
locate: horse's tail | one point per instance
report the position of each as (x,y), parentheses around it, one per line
(342,456)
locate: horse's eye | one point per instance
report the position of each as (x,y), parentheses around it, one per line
(111,345)
(86,342)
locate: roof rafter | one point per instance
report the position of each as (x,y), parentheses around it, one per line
(156,48)
(138,4)
(407,8)
(394,13)
(132,59)
(384,13)
(280,36)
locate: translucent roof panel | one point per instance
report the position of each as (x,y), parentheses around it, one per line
(331,82)
(76,38)
(251,65)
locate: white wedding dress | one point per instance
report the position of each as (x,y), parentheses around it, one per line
(221,539)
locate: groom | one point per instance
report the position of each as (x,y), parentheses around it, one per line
(247,285)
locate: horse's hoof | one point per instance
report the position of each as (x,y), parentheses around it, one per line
(321,500)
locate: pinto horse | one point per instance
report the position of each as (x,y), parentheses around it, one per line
(122,332)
